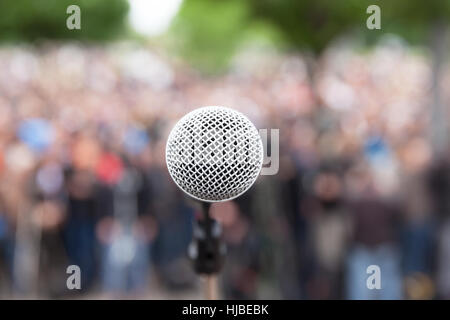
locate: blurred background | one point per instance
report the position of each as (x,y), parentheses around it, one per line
(364,172)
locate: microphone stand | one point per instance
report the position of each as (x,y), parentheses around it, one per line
(208,250)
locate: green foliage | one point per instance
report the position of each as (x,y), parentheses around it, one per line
(30,20)
(209,31)
(312,24)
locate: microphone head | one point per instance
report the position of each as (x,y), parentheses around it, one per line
(214,154)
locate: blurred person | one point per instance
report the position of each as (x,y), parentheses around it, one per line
(292,195)
(79,226)
(330,229)
(439,184)
(6,252)
(83,203)
(48,213)
(374,242)
(242,264)
(127,232)
(126,251)
(419,223)
(174,216)
(279,276)
(16,192)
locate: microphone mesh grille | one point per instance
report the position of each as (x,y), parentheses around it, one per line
(214,154)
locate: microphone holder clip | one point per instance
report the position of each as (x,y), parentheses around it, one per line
(207,249)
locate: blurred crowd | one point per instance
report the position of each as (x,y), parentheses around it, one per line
(83,179)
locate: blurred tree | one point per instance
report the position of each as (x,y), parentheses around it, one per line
(208,32)
(313,24)
(30,20)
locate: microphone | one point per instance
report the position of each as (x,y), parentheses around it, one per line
(213,154)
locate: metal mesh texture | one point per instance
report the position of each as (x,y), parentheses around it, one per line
(214,154)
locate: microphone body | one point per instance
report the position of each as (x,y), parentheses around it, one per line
(213,154)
